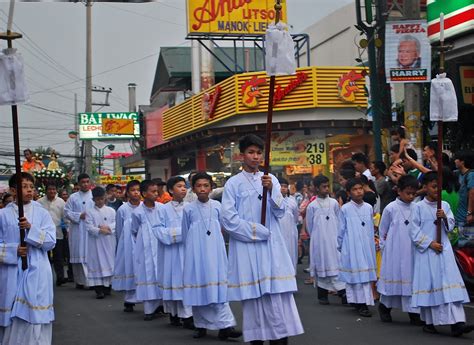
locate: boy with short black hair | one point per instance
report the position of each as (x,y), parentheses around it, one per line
(26,296)
(75,211)
(361,165)
(171,254)
(144,218)
(205,263)
(124,275)
(112,200)
(396,274)
(261,274)
(100,225)
(356,244)
(438,288)
(322,222)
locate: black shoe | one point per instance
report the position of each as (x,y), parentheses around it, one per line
(175,321)
(199,333)
(107,290)
(323,296)
(148,317)
(415,319)
(79,286)
(60,282)
(256,342)
(461,328)
(99,295)
(128,307)
(429,329)
(384,313)
(188,323)
(364,311)
(343,296)
(229,332)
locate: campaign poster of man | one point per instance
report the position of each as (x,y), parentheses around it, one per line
(407,52)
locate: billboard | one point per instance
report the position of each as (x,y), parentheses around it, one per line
(407,52)
(295,148)
(249,17)
(90,126)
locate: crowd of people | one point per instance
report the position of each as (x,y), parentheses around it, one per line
(189,249)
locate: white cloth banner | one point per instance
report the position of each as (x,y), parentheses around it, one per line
(12,78)
(280,51)
(443,101)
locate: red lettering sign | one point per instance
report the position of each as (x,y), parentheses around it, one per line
(209,103)
(281,93)
(211,9)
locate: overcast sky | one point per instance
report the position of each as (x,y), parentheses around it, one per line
(126,43)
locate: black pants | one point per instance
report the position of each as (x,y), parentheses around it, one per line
(58,260)
(67,256)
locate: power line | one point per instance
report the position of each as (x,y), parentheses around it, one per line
(143,15)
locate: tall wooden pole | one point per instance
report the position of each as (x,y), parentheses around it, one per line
(439,154)
(268,134)
(9,36)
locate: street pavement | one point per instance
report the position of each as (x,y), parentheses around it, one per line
(83,320)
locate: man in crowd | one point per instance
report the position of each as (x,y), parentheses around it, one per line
(55,207)
(112,200)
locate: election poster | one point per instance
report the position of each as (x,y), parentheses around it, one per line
(407,52)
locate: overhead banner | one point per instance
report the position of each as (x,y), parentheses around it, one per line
(250,17)
(295,148)
(407,52)
(99,126)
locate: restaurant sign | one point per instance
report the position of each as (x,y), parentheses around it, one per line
(231,16)
(91,126)
(295,148)
(119,179)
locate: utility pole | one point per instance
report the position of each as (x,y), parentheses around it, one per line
(132,97)
(412,108)
(88,143)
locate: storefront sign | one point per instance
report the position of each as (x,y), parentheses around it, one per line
(407,52)
(209,103)
(118,126)
(295,148)
(347,86)
(458,17)
(119,179)
(251,93)
(281,93)
(466,75)
(90,126)
(231,16)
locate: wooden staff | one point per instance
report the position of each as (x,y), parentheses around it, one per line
(9,36)
(439,154)
(268,136)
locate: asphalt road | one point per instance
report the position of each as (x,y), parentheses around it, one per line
(83,320)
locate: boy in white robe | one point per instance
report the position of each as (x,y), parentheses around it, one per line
(124,275)
(322,223)
(100,225)
(75,212)
(205,263)
(289,222)
(438,288)
(144,218)
(26,296)
(261,273)
(171,254)
(396,274)
(356,243)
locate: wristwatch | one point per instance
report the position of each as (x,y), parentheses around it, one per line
(469,213)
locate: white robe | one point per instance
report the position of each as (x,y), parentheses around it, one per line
(322,223)
(26,296)
(289,230)
(101,247)
(76,204)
